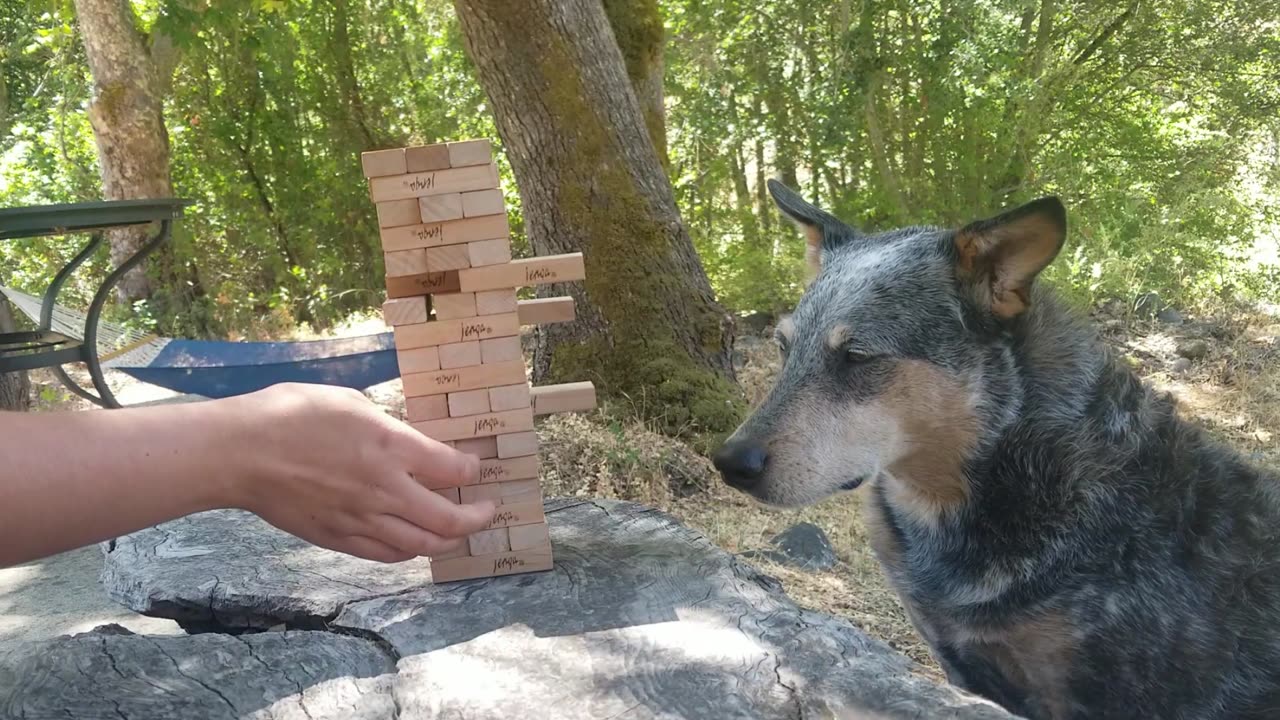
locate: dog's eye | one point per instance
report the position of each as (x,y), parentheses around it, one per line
(855,357)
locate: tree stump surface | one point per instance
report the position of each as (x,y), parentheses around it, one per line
(641,618)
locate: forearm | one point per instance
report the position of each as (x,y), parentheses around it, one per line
(75,478)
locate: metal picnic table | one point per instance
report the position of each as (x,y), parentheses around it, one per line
(46,348)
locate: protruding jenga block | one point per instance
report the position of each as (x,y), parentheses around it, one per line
(516,492)
(468,402)
(470,152)
(379,163)
(461,551)
(492,302)
(442,382)
(395,213)
(510,397)
(460,355)
(452,306)
(524,537)
(489,542)
(418,360)
(429,407)
(507,469)
(403,263)
(567,397)
(425,158)
(518,514)
(526,271)
(483,202)
(405,311)
(540,311)
(438,208)
(489,252)
(491,423)
(422,284)
(451,494)
(448,257)
(437,182)
(520,444)
(503,349)
(485,448)
(508,563)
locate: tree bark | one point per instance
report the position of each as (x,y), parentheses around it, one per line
(638,29)
(650,332)
(127,121)
(15,387)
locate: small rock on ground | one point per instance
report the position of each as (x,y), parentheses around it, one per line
(1169,316)
(803,545)
(1193,349)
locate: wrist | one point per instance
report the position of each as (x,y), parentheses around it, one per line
(236,451)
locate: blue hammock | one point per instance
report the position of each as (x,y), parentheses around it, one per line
(218,368)
(215,369)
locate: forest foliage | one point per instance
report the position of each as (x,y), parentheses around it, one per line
(1157,121)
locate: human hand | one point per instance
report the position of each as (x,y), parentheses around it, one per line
(327,465)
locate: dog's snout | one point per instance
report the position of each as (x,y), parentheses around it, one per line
(741,463)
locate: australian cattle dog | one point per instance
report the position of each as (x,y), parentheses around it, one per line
(1065,543)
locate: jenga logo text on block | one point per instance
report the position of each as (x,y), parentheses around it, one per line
(423,182)
(507,562)
(450,379)
(534,274)
(492,473)
(471,330)
(502,518)
(429,232)
(489,424)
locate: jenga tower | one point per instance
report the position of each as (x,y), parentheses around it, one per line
(451,298)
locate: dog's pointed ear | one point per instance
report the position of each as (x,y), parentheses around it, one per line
(820,227)
(1001,256)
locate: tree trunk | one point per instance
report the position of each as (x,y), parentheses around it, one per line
(638,29)
(15,387)
(649,331)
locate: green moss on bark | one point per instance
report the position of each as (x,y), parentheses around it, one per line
(641,362)
(639,29)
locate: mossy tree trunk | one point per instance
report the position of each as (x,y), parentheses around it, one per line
(649,331)
(126,114)
(15,387)
(638,28)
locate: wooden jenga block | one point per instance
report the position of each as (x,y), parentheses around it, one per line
(492,302)
(461,551)
(508,563)
(491,423)
(460,355)
(489,542)
(510,397)
(489,252)
(539,311)
(436,182)
(379,163)
(470,152)
(485,448)
(451,494)
(454,232)
(566,397)
(404,311)
(418,360)
(445,332)
(518,514)
(452,306)
(422,284)
(428,407)
(396,213)
(517,492)
(507,469)
(404,263)
(524,537)
(438,208)
(442,382)
(519,444)
(467,402)
(448,257)
(425,158)
(503,349)
(526,271)
(483,202)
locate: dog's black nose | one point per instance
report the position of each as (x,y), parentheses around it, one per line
(741,463)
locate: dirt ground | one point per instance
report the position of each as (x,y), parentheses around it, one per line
(1230,382)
